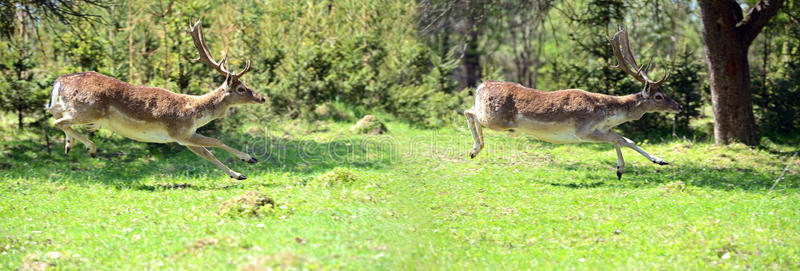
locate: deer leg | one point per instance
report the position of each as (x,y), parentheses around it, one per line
(624,141)
(64,124)
(200,140)
(480,131)
(203,152)
(68,142)
(477,133)
(618,140)
(620,162)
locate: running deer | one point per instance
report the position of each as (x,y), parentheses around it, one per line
(570,115)
(150,114)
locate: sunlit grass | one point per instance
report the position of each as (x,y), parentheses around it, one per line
(414,200)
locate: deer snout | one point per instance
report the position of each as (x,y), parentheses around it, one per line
(259,98)
(675,108)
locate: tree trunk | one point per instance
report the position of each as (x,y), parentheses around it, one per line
(130,44)
(727,35)
(731,96)
(19,118)
(471,61)
(46,131)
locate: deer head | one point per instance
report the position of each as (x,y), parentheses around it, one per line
(654,99)
(235,89)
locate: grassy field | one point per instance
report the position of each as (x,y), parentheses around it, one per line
(410,199)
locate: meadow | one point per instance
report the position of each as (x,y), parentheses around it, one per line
(407,199)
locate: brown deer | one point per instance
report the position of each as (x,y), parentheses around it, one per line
(150,114)
(570,115)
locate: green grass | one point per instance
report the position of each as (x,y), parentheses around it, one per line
(412,199)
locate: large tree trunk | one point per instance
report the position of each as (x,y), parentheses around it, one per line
(727,35)
(731,95)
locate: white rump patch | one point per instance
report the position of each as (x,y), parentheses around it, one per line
(55,96)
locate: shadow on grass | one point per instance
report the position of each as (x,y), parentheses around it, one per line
(126,164)
(722,178)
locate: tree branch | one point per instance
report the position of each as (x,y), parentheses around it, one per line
(757,18)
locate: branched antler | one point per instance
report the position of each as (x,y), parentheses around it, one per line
(200,43)
(624,55)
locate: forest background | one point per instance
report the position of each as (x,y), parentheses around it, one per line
(417,60)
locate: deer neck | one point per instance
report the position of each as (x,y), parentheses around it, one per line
(212,105)
(629,107)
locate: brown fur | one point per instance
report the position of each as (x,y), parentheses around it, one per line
(146,113)
(92,94)
(504,102)
(563,116)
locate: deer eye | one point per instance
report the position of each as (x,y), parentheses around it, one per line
(240,89)
(658,97)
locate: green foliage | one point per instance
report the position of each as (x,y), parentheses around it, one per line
(780,115)
(20,92)
(401,57)
(371,60)
(684,87)
(84,51)
(427,102)
(776,79)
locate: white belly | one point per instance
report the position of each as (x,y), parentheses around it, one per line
(553,136)
(135,129)
(558,133)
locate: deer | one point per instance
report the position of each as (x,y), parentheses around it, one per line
(151,114)
(571,115)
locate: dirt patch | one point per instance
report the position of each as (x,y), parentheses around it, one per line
(338,177)
(252,203)
(278,261)
(201,244)
(369,124)
(175,185)
(41,262)
(324,111)
(679,187)
(675,186)
(328,111)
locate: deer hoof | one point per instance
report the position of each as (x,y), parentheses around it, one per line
(619,175)
(240,177)
(472,155)
(251,161)
(66,150)
(661,162)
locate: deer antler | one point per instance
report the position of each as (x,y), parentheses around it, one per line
(205,57)
(245,70)
(624,55)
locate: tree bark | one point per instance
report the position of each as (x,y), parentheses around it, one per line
(727,36)
(19,118)
(471,60)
